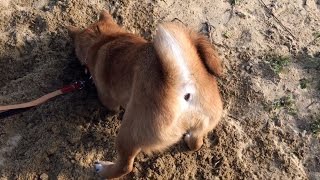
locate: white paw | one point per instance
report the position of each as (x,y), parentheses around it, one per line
(98,167)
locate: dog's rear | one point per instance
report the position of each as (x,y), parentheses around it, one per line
(190,64)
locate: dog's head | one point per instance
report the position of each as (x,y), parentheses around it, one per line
(84,38)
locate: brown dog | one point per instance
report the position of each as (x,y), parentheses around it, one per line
(168,86)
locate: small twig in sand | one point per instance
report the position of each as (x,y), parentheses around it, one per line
(312,103)
(164,1)
(305,2)
(177,19)
(217,163)
(233,4)
(232,10)
(232,117)
(207,29)
(277,20)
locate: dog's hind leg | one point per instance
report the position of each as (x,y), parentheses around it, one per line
(127,151)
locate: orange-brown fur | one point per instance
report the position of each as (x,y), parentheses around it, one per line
(130,72)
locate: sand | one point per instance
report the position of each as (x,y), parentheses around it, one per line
(266,131)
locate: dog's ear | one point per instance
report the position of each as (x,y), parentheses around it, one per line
(73,31)
(104,15)
(208,55)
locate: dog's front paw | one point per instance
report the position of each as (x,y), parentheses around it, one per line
(101,167)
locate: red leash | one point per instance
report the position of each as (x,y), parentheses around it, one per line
(8,110)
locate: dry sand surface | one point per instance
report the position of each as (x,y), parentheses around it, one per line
(271,90)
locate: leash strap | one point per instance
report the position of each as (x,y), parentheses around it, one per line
(8,110)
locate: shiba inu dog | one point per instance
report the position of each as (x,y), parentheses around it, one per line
(168,87)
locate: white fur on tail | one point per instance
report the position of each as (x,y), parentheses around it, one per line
(171,44)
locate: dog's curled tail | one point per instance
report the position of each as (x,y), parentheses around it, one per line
(179,48)
(173,47)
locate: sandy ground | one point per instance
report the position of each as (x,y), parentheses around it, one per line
(269,111)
